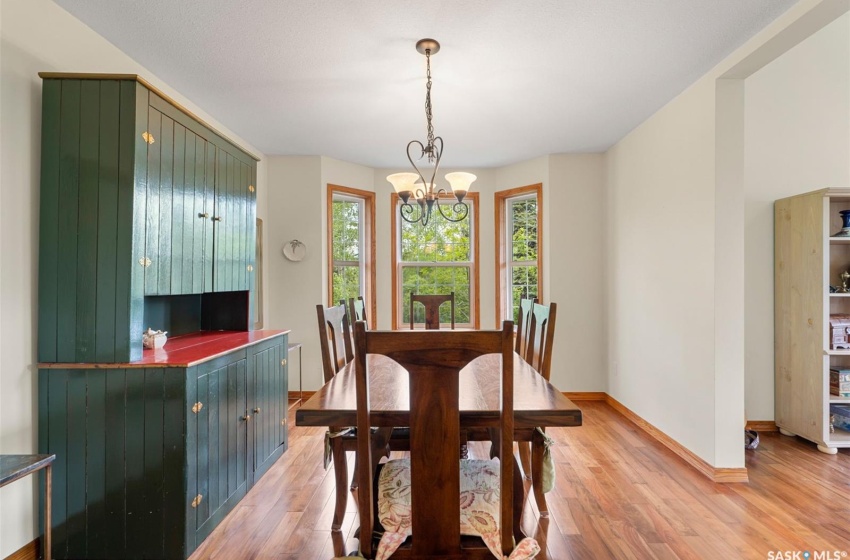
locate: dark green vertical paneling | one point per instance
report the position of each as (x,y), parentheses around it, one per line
(244,226)
(197,217)
(132,173)
(177,191)
(134,466)
(43,442)
(242,437)
(57,443)
(232,429)
(126,258)
(107,222)
(116,518)
(166,202)
(210,175)
(69,187)
(204,454)
(213,433)
(194,459)
(252,250)
(152,204)
(152,514)
(76,485)
(48,272)
(137,277)
(233,220)
(96,520)
(188,219)
(176,439)
(226,432)
(87,225)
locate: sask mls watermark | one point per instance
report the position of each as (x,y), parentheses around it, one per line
(806,555)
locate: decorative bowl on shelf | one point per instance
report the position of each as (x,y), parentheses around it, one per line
(154,339)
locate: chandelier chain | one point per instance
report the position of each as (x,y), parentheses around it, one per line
(430,146)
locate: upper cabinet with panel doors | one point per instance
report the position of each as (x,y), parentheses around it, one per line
(138,198)
(199,223)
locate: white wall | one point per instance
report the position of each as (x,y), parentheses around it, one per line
(37,35)
(574,269)
(797,130)
(675,252)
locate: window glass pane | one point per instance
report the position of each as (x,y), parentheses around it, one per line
(346,230)
(437,280)
(440,241)
(523,285)
(524,231)
(346,283)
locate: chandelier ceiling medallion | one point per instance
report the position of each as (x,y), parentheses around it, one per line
(414,185)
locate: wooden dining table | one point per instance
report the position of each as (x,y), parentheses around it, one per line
(537,403)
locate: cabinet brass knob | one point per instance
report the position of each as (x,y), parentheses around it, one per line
(283,362)
(250,188)
(197,501)
(148,137)
(218,218)
(145,262)
(283,422)
(250,268)
(203,214)
(247,418)
(197,407)
(257,410)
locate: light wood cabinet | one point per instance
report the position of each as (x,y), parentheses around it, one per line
(807,261)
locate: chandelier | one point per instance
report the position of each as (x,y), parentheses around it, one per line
(413,185)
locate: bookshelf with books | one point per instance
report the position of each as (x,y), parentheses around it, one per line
(812,316)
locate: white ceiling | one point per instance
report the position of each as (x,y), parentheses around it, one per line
(515,79)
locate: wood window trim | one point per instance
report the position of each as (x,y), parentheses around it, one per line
(476,280)
(500,204)
(368,198)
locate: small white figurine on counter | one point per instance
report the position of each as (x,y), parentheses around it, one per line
(154,339)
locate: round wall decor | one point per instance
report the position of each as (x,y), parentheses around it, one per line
(294,250)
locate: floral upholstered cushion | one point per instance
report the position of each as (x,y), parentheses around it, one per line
(479,507)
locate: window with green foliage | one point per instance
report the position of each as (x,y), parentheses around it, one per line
(347,276)
(523,250)
(438,259)
(351,238)
(519,251)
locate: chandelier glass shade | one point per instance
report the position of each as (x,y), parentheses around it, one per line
(419,196)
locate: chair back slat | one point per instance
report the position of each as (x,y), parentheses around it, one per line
(433,361)
(357,308)
(334,339)
(540,342)
(432,305)
(523,325)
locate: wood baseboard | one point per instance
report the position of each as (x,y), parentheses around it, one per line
(587,396)
(762,425)
(715,474)
(29,551)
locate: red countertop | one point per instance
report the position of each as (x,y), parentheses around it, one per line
(183,351)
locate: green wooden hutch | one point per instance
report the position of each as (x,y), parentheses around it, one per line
(148,219)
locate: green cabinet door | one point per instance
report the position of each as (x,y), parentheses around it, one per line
(220,428)
(235,223)
(268,365)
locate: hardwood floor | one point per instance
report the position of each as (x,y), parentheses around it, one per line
(618,494)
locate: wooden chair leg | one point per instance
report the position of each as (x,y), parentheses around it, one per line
(341,476)
(525,458)
(519,491)
(537,449)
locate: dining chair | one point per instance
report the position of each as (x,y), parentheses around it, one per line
(432,495)
(357,310)
(523,325)
(539,355)
(432,305)
(335,344)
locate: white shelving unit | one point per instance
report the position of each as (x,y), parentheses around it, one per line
(807,260)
